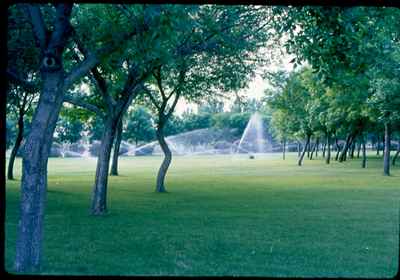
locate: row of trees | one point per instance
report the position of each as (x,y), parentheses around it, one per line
(347,87)
(158,54)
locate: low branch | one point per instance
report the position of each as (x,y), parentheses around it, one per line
(171,110)
(150,95)
(85,105)
(80,70)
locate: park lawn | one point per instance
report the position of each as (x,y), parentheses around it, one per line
(223,215)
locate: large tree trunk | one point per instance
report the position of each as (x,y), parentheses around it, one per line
(317,148)
(118,139)
(364,154)
(300,162)
(34,173)
(323,150)
(162,172)
(17,144)
(284,148)
(386,153)
(99,196)
(328,145)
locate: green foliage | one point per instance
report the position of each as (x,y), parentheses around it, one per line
(138,126)
(70,125)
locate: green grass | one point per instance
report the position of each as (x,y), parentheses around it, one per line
(223,215)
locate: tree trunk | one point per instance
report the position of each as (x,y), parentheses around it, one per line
(377,146)
(313,149)
(346,147)
(386,153)
(300,162)
(337,149)
(353,147)
(309,150)
(162,172)
(118,139)
(328,144)
(284,148)
(34,173)
(397,154)
(317,148)
(99,198)
(324,149)
(364,154)
(358,149)
(17,144)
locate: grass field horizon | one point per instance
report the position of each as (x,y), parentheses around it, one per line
(222,215)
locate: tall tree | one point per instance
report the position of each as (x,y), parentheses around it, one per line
(52,34)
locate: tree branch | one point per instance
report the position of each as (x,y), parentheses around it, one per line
(85,105)
(80,70)
(92,58)
(150,95)
(38,25)
(171,110)
(157,76)
(61,27)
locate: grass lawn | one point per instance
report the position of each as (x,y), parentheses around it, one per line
(223,215)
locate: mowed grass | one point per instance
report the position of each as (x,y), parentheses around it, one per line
(223,215)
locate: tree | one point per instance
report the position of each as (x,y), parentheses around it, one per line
(139,126)
(51,37)
(70,125)
(20,102)
(217,62)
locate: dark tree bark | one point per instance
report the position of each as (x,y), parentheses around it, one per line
(99,199)
(358,149)
(353,147)
(364,154)
(118,139)
(34,173)
(346,147)
(324,149)
(328,145)
(397,154)
(306,147)
(38,143)
(160,186)
(337,149)
(314,148)
(309,150)
(386,153)
(17,144)
(317,148)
